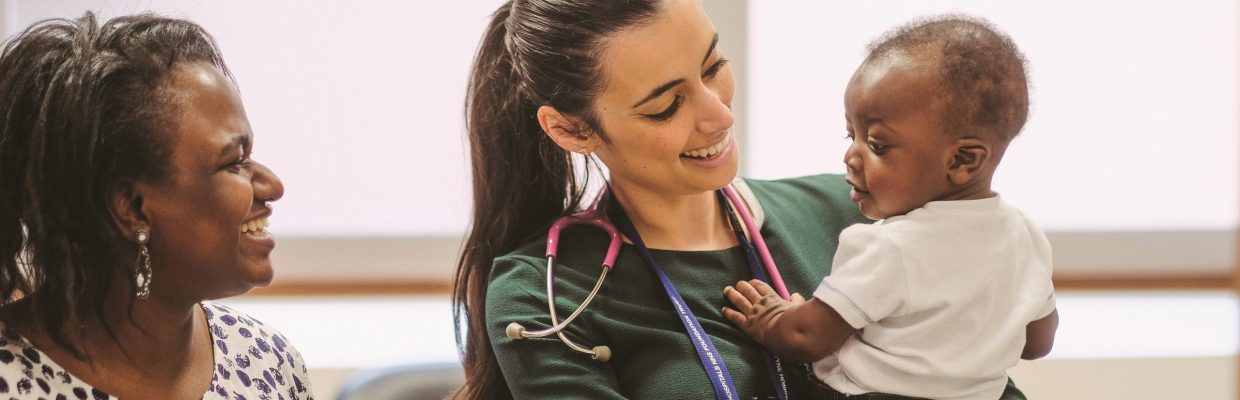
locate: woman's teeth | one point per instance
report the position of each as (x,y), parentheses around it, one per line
(255,226)
(709,151)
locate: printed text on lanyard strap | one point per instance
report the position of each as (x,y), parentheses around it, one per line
(712,360)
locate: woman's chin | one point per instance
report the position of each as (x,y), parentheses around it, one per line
(261,275)
(258,275)
(718,176)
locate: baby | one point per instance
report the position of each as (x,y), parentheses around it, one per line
(952,285)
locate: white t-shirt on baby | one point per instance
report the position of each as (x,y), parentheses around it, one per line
(941,297)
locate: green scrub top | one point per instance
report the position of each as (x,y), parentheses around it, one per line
(652,357)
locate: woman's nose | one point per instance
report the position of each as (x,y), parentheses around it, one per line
(267,186)
(716,115)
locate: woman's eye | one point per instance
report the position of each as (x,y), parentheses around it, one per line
(239,164)
(669,112)
(877,148)
(715,68)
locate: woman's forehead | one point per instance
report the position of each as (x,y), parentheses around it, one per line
(212,116)
(671,46)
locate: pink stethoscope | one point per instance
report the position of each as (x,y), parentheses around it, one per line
(595,216)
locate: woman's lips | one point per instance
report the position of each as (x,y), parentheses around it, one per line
(722,157)
(709,152)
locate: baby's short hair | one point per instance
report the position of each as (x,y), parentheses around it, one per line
(980,71)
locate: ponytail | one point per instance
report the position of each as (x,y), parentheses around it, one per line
(534,53)
(519,187)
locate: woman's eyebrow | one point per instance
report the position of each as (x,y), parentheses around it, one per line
(714,41)
(659,91)
(241,141)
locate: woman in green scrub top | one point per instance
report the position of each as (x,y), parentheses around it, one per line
(644,88)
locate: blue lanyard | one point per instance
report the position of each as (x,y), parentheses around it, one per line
(774,365)
(711,359)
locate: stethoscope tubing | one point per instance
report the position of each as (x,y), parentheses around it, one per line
(594,216)
(516,331)
(776,279)
(601,353)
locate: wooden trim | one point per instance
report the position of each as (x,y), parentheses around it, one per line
(383,259)
(353,289)
(1221,282)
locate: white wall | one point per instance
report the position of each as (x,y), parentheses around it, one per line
(357,106)
(1135,122)
(1129,158)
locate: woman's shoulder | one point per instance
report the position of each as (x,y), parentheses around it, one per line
(226,321)
(16,350)
(530,251)
(518,276)
(231,326)
(818,187)
(26,371)
(519,265)
(253,354)
(578,244)
(806,197)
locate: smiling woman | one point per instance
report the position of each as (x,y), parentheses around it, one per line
(643,88)
(213,212)
(129,197)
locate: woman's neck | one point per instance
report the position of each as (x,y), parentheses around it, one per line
(159,342)
(155,333)
(676,222)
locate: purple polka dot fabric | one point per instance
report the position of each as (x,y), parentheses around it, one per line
(252,362)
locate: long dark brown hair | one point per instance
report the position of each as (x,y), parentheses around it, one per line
(534,53)
(82,117)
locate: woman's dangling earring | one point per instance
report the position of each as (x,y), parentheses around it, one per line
(142,268)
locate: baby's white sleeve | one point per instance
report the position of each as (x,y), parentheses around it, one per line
(867,281)
(1046,308)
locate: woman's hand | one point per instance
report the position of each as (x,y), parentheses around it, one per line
(759,307)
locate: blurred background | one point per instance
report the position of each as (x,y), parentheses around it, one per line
(1130,160)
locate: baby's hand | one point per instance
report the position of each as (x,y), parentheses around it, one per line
(759,307)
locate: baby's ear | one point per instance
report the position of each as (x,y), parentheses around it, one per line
(968,160)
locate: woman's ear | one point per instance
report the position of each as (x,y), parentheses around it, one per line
(969,159)
(570,133)
(127,211)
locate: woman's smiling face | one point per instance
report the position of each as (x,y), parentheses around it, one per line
(207,218)
(665,107)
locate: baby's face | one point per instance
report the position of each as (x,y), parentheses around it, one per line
(900,155)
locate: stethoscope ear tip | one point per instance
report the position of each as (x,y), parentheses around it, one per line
(602,353)
(515,331)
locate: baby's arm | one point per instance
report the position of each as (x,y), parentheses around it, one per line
(798,330)
(1040,336)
